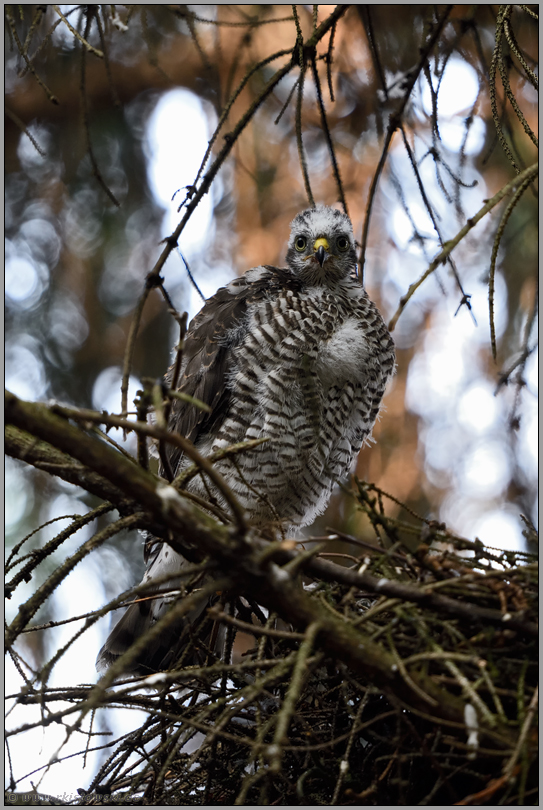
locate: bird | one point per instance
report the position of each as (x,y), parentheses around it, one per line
(299,356)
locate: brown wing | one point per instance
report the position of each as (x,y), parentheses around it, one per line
(219,327)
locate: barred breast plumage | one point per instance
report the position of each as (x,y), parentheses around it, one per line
(299,356)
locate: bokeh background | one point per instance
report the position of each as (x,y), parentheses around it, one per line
(94,183)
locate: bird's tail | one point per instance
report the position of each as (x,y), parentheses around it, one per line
(188,640)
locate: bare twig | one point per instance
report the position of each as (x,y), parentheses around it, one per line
(394,123)
(441,257)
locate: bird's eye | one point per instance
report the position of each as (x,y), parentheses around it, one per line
(343,244)
(300,243)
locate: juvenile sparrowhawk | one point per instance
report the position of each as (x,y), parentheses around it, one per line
(298,355)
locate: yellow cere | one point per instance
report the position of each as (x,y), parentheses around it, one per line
(321,241)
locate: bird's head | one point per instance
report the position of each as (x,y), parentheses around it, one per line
(321,246)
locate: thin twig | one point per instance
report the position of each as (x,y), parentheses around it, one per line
(394,122)
(284,715)
(328,136)
(82,39)
(441,257)
(85,114)
(494,255)
(11,22)
(18,123)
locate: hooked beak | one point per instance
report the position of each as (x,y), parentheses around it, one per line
(320,254)
(320,247)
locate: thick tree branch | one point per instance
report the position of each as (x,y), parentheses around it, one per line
(252,565)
